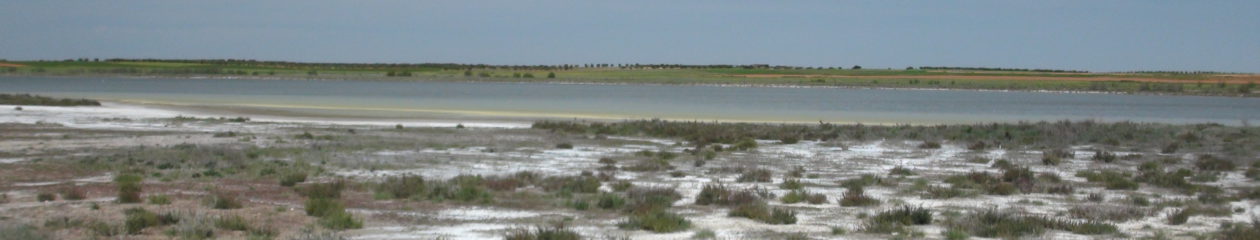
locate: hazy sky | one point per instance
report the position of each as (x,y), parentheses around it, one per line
(1091,35)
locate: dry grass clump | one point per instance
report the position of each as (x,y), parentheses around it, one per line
(856,197)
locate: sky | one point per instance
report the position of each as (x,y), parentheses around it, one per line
(1113,35)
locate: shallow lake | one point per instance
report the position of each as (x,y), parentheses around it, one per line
(440,99)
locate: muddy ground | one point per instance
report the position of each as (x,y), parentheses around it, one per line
(243,159)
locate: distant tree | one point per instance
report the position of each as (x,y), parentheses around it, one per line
(390,74)
(467,73)
(856,67)
(551,75)
(909,68)
(528,75)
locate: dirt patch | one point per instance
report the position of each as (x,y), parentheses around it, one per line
(1231,79)
(11,65)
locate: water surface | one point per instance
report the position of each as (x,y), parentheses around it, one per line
(541,100)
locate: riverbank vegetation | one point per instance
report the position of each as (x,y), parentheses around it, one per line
(36,100)
(930,77)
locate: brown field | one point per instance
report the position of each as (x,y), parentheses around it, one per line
(11,65)
(1230,79)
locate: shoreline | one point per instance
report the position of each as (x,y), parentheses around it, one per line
(605,82)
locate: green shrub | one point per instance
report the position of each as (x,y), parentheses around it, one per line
(320,207)
(796,196)
(862,181)
(746,144)
(650,199)
(1104,156)
(855,197)
(1213,163)
(340,221)
(1113,180)
(564,146)
(233,223)
(138,219)
(1239,231)
(720,195)
(901,171)
(160,199)
(196,226)
(401,187)
(930,145)
(656,221)
(128,188)
(705,234)
(761,212)
(610,201)
(102,229)
(558,232)
(791,184)
(45,197)
(323,190)
(938,192)
(906,215)
(292,179)
(956,234)
(222,200)
(999,224)
(24,232)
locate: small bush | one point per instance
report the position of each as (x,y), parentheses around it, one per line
(323,190)
(857,197)
(1000,224)
(938,192)
(906,215)
(292,179)
(761,212)
(930,145)
(558,232)
(232,223)
(73,194)
(138,219)
(340,221)
(160,199)
(902,171)
(610,201)
(1110,179)
(24,232)
(45,197)
(320,207)
(657,221)
(223,200)
(746,144)
(1239,231)
(791,184)
(755,175)
(128,188)
(564,146)
(1104,156)
(1213,163)
(863,181)
(401,187)
(797,196)
(196,226)
(1179,216)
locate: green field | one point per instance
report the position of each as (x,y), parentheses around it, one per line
(1195,83)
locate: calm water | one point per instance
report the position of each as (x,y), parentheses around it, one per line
(445,99)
